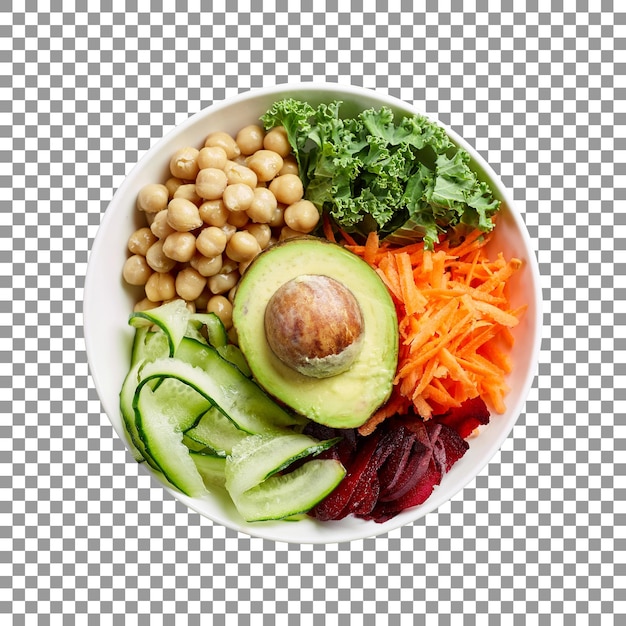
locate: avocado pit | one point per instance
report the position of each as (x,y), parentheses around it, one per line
(314,325)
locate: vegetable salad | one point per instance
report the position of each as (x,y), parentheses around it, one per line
(399,194)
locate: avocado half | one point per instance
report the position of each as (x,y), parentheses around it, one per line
(343,400)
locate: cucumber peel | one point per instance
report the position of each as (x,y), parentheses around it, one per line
(283,496)
(172,318)
(192,412)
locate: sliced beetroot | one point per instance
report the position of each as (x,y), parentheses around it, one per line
(466,418)
(400,444)
(335,506)
(416,425)
(413,471)
(365,495)
(398,465)
(451,447)
(422,490)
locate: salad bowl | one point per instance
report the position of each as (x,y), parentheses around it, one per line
(108,301)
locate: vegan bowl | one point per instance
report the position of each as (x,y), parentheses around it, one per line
(361,411)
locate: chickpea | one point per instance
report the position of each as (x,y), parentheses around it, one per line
(276,139)
(250,139)
(183,215)
(172,185)
(141,240)
(223,282)
(212,156)
(265,164)
(261,232)
(232,336)
(136,270)
(229,266)
(287,188)
(222,307)
(238,197)
(302,216)
(232,293)
(225,141)
(152,198)
(184,163)
(190,283)
(229,229)
(238,219)
(180,246)
(207,266)
(243,266)
(160,226)
(236,173)
(202,300)
(160,287)
(214,212)
(242,159)
(210,183)
(145,305)
(158,261)
(289,233)
(211,241)
(242,246)
(190,306)
(278,217)
(290,165)
(262,206)
(188,191)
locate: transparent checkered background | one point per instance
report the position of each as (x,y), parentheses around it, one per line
(87,537)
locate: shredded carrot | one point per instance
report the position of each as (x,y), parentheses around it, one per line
(349,239)
(371,247)
(454,321)
(328,228)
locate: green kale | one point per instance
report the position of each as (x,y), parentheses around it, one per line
(406,179)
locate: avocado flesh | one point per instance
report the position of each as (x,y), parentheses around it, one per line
(345,400)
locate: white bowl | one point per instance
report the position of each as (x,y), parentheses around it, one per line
(108,302)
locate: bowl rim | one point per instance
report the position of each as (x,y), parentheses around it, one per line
(365,529)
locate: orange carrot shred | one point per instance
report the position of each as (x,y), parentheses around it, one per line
(328,228)
(454,321)
(371,247)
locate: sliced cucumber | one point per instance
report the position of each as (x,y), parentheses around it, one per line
(215,430)
(194,446)
(288,495)
(193,332)
(156,346)
(137,353)
(162,439)
(234,355)
(257,458)
(172,318)
(146,346)
(128,414)
(181,402)
(210,467)
(239,398)
(216,331)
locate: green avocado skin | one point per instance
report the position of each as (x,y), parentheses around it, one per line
(345,400)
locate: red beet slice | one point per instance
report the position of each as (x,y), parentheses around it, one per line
(335,506)
(466,418)
(365,495)
(413,472)
(384,511)
(416,425)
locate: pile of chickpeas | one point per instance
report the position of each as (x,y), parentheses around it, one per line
(222,206)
